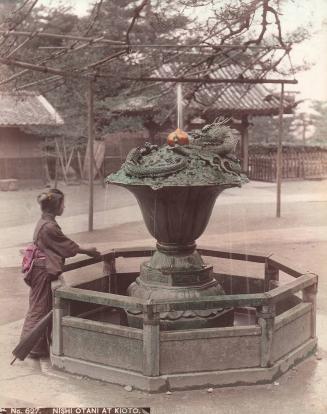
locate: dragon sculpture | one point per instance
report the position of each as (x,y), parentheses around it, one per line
(214,144)
(206,156)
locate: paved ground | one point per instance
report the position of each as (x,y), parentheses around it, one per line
(242,220)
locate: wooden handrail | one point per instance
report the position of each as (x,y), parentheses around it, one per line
(302,281)
(111,255)
(145,251)
(281,292)
(252,257)
(209,302)
(282,265)
(100,298)
(82,263)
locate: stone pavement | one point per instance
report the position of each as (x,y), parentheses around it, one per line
(242,220)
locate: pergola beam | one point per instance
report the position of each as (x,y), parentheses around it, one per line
(211,80)
(6,33)
(117,43)
(37,68)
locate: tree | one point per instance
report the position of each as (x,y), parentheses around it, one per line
(251,26)
(319,121)
(265,130)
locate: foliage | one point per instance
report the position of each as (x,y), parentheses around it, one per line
(319,121)
(124,123)
(265,130)
(306,127)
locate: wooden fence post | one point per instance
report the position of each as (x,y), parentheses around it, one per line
(271,276)
(109,269)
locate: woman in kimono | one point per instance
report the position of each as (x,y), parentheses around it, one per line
(53,247)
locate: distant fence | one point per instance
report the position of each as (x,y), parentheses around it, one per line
(309,163)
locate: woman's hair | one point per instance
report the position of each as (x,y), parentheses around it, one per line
(50,200)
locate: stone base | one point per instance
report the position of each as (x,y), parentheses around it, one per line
(192,380)
(221,319)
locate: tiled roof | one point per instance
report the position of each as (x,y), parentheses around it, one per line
(254,99)
(26,108)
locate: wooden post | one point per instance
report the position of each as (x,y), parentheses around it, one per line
(56,172)
(90,104)
(64,150)
(46,171)
(245,143)
(61,160)
(266,319)
(60,309)
(271,277)
(109,270)
(80,164)
(280,151)
(151,341)
(69,160)
(45,164)
(310,295)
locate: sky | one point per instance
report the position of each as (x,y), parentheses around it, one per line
(313,82)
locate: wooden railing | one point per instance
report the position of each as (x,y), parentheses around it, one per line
(264,302)
(272,266)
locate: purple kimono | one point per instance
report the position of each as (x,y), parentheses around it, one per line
(56,247)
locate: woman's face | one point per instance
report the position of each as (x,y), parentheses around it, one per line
(61,207)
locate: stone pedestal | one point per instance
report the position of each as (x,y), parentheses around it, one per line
(178,272)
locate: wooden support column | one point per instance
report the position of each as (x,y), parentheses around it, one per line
(60,309)
(90,106)
(56,172)
(151,341)
(310,295)
(109,270)
(47,177)
(245,143)
(271,276)
(266,320)
(280,152)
